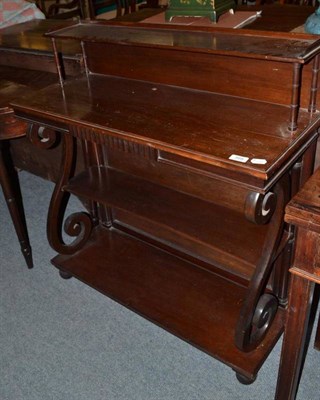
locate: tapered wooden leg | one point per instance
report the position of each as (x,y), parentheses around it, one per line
(16,210)
(294,340)
(317,340)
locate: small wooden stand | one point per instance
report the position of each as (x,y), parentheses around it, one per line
(303,212)
(196,8)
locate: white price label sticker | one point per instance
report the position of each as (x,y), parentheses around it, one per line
(236,157)
(260,161)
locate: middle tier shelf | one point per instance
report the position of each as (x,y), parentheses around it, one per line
(209,235)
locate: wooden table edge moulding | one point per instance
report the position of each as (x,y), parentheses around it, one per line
(189,170)
(302,213)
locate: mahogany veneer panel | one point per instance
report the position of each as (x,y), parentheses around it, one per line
(175,173)
(235,76)
(191,303)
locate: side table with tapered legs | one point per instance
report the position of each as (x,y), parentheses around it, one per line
(11,128)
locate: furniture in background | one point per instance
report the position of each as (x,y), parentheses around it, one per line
(11,128)
(317,338)
(280,17)
(25,45)
(303,213)
(26,66)
(18,11)
(123,7)
(300,2)
(62,9)
(171,122)
(15,82)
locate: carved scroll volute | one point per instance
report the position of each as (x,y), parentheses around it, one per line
(259,308)
(41,136)
(259,208)
(78,225)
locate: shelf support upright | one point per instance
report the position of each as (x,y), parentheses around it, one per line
(314,85)
(295,97)
(57,61)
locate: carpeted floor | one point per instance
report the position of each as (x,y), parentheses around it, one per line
(62,340)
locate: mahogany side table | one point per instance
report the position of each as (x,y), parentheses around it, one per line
(14,83)
(11,128)
(303,212)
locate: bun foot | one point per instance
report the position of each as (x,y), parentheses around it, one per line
(65,275)
(245,380)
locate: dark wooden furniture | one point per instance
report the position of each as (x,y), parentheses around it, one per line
(317,338)
(26,66)
(25,45)
(123,7)
(12,128)
(62,9)
(275,17)
(193,141)
(15,82)
(303,213)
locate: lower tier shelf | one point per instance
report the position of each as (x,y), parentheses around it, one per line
(198,306)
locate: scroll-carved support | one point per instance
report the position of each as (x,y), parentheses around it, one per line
(77,225)
(260,208)
(259,308)
(42,137)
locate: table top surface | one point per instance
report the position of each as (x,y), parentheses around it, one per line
(200,125)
